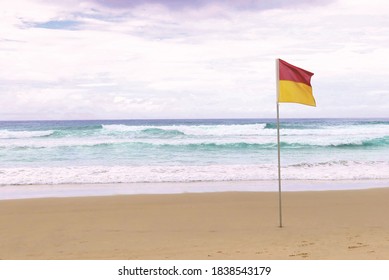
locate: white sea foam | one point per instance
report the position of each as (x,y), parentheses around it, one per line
(195,130)
(11,134)
(122,127)
(335,170)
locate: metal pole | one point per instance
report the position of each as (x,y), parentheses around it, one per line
(279,164)
(278,142)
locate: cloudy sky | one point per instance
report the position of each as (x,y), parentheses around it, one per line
(130,59)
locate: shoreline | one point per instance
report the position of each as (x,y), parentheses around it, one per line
(11,192)
(226,225)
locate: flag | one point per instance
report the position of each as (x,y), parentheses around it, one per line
(294,84)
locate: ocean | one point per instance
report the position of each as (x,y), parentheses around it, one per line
(220,150)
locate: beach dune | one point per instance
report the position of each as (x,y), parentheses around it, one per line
(232,225)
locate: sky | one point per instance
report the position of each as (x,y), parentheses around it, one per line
(158,59)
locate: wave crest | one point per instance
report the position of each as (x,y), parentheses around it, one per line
(14,134)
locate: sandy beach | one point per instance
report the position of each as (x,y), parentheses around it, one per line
(230,225)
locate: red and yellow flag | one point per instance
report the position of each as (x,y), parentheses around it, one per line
(294,84)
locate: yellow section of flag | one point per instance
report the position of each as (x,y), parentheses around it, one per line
(296,93)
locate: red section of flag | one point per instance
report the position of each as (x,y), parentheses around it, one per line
(290,72)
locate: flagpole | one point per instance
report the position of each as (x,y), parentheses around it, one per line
(278,141)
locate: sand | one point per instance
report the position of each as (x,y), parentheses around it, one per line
(233,225)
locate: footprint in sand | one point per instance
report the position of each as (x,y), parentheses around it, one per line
(260,252)
(305,244)
(358,245)
(303,255)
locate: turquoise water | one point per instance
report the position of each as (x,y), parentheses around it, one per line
(102,151)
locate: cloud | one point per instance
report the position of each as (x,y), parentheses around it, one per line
(236,4)
(162,59)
